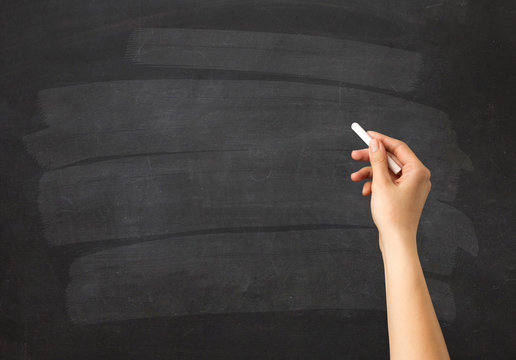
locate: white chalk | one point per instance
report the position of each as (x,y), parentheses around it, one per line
(395,168)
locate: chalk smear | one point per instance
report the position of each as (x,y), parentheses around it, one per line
(235,273)
(405,11)
(301,55)
(138,197)
(153,195)
(155,157)
(98,121)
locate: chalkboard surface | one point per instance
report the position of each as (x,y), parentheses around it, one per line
(175,175)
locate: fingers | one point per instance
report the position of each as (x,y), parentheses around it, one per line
(366,190)
(361,155)
(396,147)
(364,173)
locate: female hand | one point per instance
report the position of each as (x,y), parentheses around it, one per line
(396,206)
(396,201)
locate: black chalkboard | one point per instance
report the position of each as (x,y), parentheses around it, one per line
(175,175)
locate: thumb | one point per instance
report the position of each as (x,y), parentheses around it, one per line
(378,158)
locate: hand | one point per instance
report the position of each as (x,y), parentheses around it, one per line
(396,201)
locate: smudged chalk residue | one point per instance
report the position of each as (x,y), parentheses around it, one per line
(302,55)
(243,181)
(99,121)
(405,11)
(150,195)
(141,159)
(332,269)
(138,197)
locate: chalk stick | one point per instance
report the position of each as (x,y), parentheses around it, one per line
(395,168)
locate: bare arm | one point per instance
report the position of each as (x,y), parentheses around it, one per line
(396,206)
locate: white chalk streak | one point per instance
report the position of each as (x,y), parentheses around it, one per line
(397,11)
(157,195)
(154,195)
(336,269)
(164,116)
(302,55)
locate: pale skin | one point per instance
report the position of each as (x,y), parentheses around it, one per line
(396,206)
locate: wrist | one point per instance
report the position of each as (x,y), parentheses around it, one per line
(398,231)
(398,243)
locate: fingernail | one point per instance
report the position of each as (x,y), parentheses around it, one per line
(374,145)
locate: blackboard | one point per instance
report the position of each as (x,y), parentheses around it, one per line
(175,175)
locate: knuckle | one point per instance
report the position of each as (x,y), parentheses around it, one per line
(427,174)
(418,171)
(423,173)
(403,145)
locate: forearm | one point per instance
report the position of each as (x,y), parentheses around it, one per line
(414,332)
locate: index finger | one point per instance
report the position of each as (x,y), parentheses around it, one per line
(396,147)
